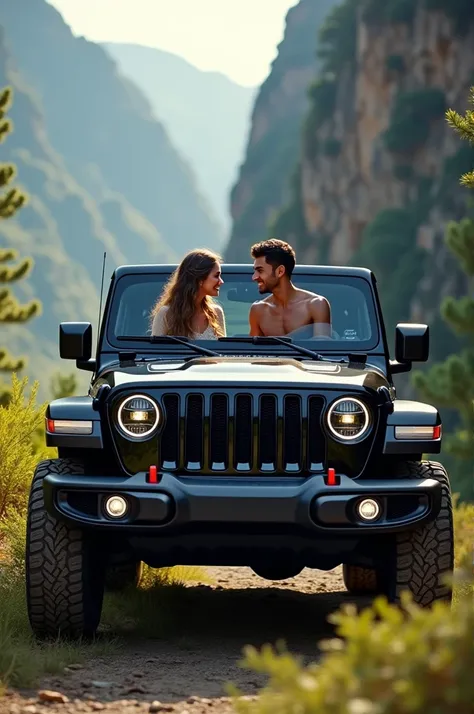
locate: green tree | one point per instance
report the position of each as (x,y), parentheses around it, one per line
(450,383)
(464,126)
(11,200)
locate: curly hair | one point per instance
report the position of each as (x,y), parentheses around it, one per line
(276,252)
(179,294)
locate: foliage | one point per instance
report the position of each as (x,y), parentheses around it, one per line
(19,421)
(23,661)
(13,199)
(451,383)
(391,11)
(389,248)
(322,95)
(411,113)
(10,202)
(384,661)
(463,515)
(464,126)
(460,11)
(338,36)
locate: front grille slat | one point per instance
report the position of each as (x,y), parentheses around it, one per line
(242,433)
(194,423)
(268,433)
(169,456)
(316,442)
(218,436)
(292,434)
(243,451)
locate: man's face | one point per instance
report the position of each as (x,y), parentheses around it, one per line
(266,277)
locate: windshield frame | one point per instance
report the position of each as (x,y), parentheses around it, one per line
(109,342)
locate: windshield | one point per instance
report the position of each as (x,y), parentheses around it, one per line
(354,322)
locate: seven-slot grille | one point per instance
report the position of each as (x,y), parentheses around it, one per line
(242,433)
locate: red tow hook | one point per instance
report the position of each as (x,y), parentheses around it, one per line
(152,475)
(332,479)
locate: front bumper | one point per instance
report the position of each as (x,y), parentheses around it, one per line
(179,504)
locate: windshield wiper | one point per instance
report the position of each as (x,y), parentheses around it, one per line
(183,341)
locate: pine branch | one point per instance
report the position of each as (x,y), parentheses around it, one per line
(9,363)
(11,203)
(7,174)
(16,272)
(460,241)
(464,127)
(7,254)
(13,312)
(459,314)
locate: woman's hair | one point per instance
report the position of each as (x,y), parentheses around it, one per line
(179,294)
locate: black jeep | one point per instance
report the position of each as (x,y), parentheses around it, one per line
(269,452)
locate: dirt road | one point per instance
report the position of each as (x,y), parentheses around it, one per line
(187,670)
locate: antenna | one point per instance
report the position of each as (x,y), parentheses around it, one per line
(101,293)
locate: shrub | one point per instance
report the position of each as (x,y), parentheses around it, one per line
(338,36)
(411,113)
(376,12)
(21,444)
(388,661)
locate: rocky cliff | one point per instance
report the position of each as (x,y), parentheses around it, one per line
(380,166)
(263,183)
(377,175)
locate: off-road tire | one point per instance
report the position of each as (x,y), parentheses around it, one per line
(361,581)
(423,557)
(122,574)
(64,570)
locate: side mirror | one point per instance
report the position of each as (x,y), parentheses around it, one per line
(412,344)
(75,340)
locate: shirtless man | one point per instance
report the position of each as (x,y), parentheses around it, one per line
(287,308)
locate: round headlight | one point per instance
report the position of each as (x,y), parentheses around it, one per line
(348,419)
(138,416)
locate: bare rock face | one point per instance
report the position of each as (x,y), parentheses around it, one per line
(262,187)
(373,177)
(384,150)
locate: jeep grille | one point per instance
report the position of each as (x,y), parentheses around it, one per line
(242,433)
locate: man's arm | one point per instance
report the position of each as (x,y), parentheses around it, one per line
(321,315)
(253,320)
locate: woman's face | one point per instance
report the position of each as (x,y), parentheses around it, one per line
(213,281)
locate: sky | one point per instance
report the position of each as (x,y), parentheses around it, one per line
(236,37)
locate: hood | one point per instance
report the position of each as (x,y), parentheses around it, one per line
(243,371)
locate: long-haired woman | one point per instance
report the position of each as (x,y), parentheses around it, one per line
(186,307)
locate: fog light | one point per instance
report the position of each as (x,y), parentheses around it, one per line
(116,506)
(368,509)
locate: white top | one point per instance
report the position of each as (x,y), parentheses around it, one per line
(158,326)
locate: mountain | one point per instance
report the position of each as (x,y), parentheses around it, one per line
(89,154)
(379,167)
(206,115)
(263,184)
(104,129)
(373,176)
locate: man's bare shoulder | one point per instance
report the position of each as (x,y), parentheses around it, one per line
(260,305)
(308,295)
